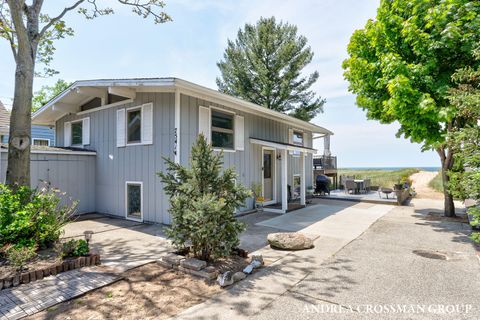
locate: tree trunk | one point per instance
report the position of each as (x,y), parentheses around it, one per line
(446,158)
(18,167)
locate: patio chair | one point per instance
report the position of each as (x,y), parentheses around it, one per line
(350,185)
(366,185)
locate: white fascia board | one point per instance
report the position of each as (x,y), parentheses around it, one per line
(175,83)
(250,107)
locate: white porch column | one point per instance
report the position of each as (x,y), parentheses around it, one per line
(302,179)
(284,180)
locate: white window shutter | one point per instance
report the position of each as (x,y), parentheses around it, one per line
(307,141)
(86,131)
(147,123)
(67,134)
(121,128)
(239,133)
(204,120)
(290,138)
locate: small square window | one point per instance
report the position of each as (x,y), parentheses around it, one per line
(134,200)
(77,133)
(134,126)
(297,138)
(41,142)
(222,130)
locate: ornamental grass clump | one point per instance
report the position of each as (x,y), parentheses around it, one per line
(203,199)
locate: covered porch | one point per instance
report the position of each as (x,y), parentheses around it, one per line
(277,163)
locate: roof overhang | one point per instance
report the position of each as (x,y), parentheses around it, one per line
(282,145)
(82,91)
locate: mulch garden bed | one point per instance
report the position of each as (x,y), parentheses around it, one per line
(46,263)
(147,292)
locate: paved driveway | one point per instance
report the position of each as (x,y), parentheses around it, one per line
(365,277)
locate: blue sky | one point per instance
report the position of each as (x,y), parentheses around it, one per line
(124,45)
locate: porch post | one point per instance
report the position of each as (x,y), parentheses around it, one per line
(284,180)
(302,179)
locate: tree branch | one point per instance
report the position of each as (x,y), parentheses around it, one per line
(60,16)
(16,8)
(8,32)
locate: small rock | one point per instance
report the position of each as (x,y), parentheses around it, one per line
(289,241)
(194,264)
(225,279)
(256,264)
(248,269)
(237,276)
(258,258)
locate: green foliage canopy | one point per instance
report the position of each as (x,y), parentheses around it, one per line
(264,66)
(465,181)
(32,217)
(203,199)
(401,64)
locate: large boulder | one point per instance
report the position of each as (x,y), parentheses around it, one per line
(289,241)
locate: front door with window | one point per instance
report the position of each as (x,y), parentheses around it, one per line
(268,175)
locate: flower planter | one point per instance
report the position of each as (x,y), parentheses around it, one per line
(28,276)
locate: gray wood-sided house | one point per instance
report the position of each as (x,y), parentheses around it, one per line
(111,136)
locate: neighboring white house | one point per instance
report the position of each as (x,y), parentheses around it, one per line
(120,129)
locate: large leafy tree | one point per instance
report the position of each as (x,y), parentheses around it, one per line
(465,179)
(264,65)
(42,96)
(401,66)
(31,34)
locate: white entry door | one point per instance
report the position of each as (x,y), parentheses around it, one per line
(269,175)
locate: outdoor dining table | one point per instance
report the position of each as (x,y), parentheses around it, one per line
(358,185)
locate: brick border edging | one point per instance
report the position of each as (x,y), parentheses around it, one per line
(54,269)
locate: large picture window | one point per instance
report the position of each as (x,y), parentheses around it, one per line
(77,133)
(134,126)
(222,130)
(134,200)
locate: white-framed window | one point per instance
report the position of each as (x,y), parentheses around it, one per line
(41,142)
(223,125)
(134,200)
(297,138)
(296,186)
(135,125)
(224,129)
(77,133)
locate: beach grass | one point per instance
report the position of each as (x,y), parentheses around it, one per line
(380,177)
(437,183)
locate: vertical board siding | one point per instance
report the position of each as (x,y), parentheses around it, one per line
(115,166)
(72,174)
(248,163)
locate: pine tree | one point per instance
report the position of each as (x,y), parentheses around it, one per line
(264,65)
(202,203)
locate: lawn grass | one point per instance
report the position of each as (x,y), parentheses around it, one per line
(382,178)
(437,183)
